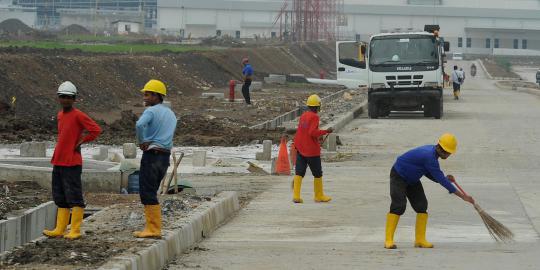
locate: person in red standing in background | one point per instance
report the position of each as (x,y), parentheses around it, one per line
(67,163)
(307,143)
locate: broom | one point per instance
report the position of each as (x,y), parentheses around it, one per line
(497,230)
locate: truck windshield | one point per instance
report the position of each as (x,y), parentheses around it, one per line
(401,50)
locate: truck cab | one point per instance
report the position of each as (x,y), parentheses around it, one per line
(406,73)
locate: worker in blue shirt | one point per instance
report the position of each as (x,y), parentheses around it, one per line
(405,183)
(155,131)
(247,76)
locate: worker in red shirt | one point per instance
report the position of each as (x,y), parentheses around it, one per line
(67,163)
(307,144)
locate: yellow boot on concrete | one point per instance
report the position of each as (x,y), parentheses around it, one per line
(318,188)
(152,229)
(62,219)
(297,186)
(421,224)
(391,225)
(76,221)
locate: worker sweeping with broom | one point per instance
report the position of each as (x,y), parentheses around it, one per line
(405,183)
(308,149)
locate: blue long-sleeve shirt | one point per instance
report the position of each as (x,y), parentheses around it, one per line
(422,161)
(248,70)
(157,125)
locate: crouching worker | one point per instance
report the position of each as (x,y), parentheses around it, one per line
(405,184)
(155,131)
(67,163)
(307,144)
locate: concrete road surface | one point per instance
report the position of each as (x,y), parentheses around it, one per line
(497,162)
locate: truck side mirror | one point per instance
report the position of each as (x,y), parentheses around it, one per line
(446,46)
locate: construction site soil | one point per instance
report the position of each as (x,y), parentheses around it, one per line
(107,233)
(19,196)
(109,85)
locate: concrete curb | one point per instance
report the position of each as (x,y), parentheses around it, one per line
(347,118)
(481,63)
(28,227)
(201,223)
(291,115)
(519,89)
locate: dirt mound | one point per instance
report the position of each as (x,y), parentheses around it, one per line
(75,29)
(20,195)
(14,27)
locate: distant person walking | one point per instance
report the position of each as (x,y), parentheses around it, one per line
(456,82)
(462,76)
(247,75)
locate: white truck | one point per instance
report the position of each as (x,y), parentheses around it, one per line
(403,71)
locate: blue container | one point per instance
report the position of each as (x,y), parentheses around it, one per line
(133,183)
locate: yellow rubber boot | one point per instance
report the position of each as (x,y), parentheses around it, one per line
(152,229)
(76,221)
(421,224)
(297,186)
(391,225)
(318,188)
(62,219)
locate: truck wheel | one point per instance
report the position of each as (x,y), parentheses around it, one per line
(373,110)
(438,108)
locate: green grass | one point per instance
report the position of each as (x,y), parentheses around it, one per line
(104,48)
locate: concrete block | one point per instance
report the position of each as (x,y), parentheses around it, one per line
(3,235)
(260,156)
(332,142)
(275,79)
(256,86)
(267,150)
(167,104)
(199,159)
(213,95)
(33,149)
(103,153)
(129,150)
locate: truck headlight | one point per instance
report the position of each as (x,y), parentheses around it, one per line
(377,85)
(431,84)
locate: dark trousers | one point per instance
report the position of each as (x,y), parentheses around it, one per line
(400,191)
(245,91)
(456,86)
(67,186)
(314,164)
(154,166)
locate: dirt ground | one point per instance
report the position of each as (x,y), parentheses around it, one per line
(497,71)
(107,233)
(109,90)
(19,196)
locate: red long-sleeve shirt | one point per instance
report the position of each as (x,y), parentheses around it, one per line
(307,136)
(70,128)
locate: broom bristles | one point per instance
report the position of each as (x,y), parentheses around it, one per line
(497,230)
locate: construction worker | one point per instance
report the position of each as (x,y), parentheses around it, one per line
(67,163)
(405,184)
(456,81)
(247,76)
(308,148)
(155,131)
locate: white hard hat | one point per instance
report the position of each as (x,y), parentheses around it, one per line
(67,88)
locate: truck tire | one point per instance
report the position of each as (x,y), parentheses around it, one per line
(438,108)
(373,110)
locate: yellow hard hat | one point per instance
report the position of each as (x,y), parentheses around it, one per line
(313,101)
(155,86)
(448,142)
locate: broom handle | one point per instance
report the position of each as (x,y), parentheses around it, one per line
(458,186)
